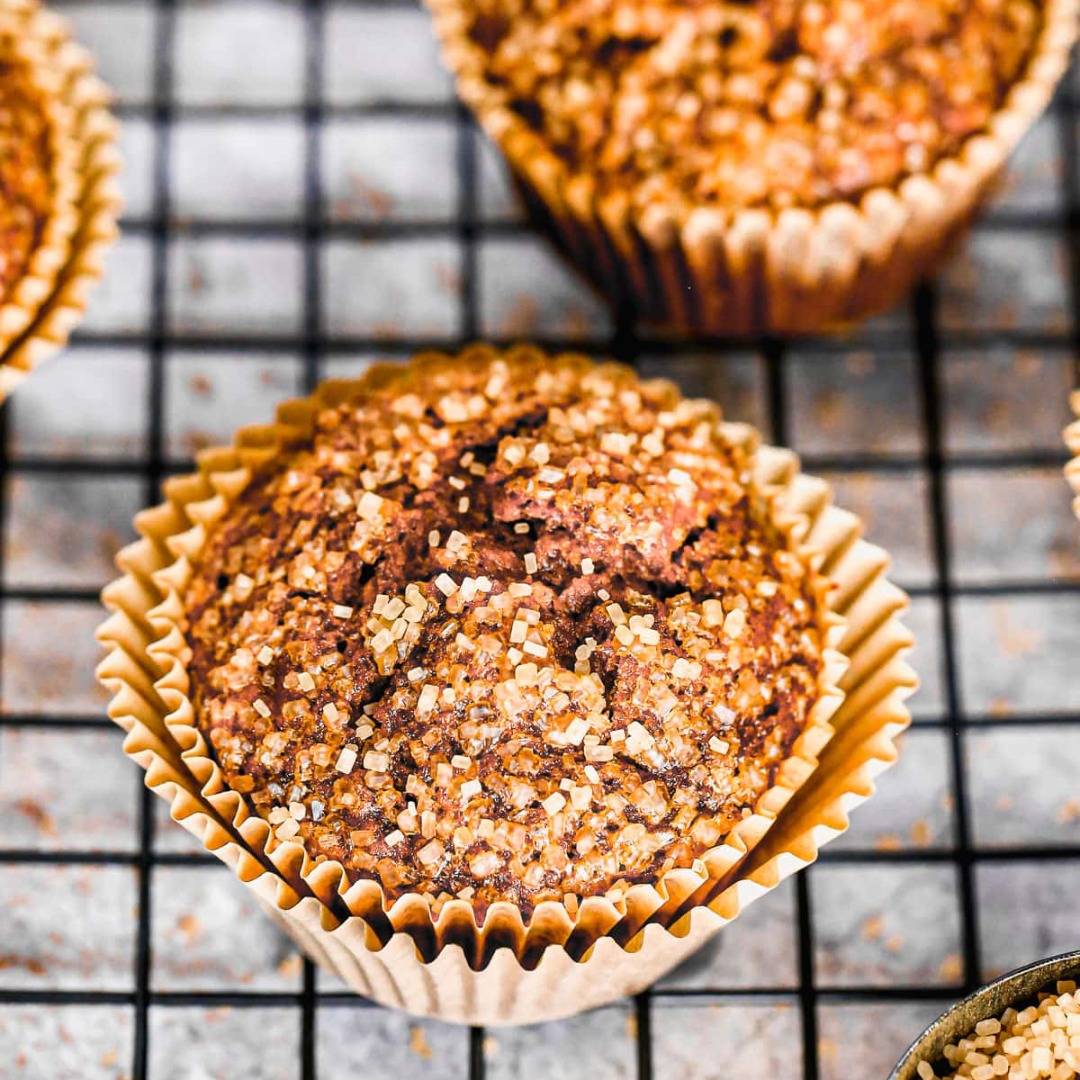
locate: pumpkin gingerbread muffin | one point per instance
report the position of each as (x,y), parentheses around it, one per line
(504,632)
(775,165)
(505,680)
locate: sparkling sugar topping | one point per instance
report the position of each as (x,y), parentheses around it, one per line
(773,103)
(584,676)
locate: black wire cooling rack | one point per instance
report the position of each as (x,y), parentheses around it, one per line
(919,332)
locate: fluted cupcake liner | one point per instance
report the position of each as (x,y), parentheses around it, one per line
(1072,441)
(508,969)
(38,315)
(707,270)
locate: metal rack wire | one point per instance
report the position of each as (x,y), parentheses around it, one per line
(923,334)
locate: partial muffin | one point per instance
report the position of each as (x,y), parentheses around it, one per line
(1072,441)
(58,202)
(512,631)
(732,167)
(26,160)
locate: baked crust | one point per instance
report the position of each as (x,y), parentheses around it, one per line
(514,630)
(774,104)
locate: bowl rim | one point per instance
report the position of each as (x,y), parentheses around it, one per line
(1021,975)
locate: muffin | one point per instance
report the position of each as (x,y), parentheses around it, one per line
(767,167)
(57,162)
(513,632)
(505,651)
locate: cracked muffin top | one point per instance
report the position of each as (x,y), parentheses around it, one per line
(503,628)
(25,184)
(767,103)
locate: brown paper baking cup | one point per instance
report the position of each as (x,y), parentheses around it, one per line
(710,270)
(1072,441)
(44,305)
(508,970)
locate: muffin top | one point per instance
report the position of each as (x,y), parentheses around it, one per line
(25,184)
(768,103)
(503,628)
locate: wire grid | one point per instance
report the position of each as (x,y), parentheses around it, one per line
(814,987)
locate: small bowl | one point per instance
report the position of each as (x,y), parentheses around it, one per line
(1017,988)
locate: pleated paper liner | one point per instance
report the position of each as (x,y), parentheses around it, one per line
(708,270)
(1072,441)
(44,305)
(352,924)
